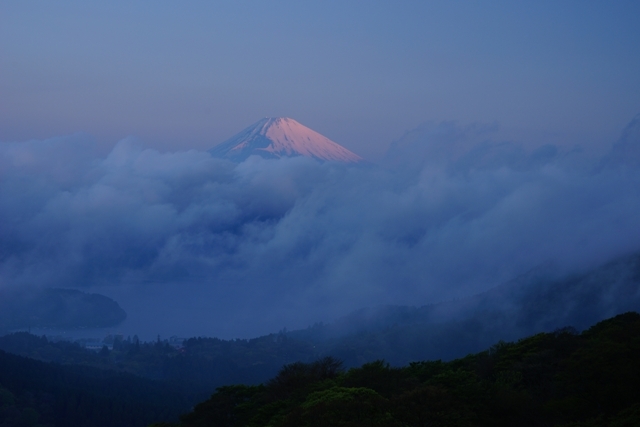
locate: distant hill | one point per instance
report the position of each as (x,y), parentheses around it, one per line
(57,308)
(200,365)
(530,304)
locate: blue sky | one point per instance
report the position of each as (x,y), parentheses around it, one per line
(188,75)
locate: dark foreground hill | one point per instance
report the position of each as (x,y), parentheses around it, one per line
(34,393)
(550,379)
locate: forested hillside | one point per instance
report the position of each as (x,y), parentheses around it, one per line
(200,365)
(550,379)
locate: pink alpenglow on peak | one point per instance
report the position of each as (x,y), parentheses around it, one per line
(282,137)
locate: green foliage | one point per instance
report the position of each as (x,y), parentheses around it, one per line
(601,376)
(342,406)
(379,376)
(298,376)
(227,407)
(552,379)
(558,379)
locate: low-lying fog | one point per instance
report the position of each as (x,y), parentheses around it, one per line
(193,245)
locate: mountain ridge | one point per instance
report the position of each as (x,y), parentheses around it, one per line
(276,137)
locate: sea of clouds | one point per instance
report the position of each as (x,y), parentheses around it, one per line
(191,244)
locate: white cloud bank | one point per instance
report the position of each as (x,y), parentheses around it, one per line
(216,248)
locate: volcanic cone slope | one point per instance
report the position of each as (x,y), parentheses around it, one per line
(282,137)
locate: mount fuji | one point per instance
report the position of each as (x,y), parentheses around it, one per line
(278,137)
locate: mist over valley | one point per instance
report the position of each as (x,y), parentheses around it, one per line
(194,245)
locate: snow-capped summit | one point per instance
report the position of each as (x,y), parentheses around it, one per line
(282,137)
